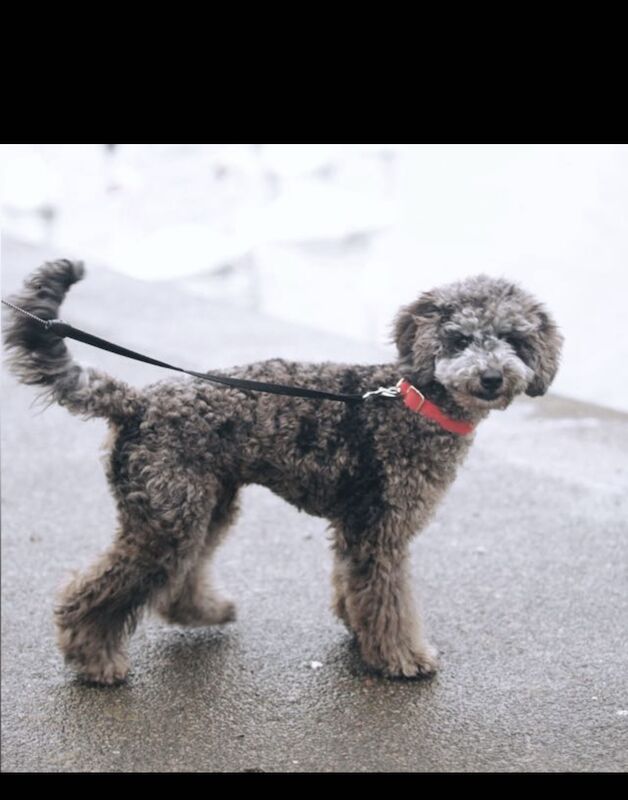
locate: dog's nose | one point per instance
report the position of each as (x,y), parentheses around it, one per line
(491,380)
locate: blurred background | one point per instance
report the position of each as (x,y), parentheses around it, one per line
(337,237)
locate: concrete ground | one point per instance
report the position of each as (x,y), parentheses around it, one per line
(522,576)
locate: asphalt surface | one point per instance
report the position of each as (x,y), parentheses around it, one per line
(522,576)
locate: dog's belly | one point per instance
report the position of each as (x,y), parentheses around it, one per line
(313,494)
(342,494)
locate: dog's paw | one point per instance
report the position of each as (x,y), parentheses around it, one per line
(212,610)
(205,610)
(221,612)
(94,659)
(105,673)
(417,662)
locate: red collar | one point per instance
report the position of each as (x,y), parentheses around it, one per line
(416,401)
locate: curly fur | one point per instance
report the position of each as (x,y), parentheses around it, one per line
(182,449)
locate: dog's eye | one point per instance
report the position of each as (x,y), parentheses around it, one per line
(459,341)
(514,341)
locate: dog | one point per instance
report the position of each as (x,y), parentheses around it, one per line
(182,449)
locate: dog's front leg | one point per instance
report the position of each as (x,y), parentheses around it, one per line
(374,598)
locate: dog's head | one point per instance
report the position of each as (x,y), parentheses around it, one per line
(484,339)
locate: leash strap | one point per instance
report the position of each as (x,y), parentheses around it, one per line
(64,330)
(412,397)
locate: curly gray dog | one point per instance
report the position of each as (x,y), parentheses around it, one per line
(182,449)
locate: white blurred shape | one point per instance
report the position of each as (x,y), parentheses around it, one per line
(295,160)
(311,210)
(380,149)
(177,251)
(27,183)
(238,157)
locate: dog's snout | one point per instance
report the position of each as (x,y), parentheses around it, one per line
(491,380)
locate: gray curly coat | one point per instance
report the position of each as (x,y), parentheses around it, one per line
(182,449)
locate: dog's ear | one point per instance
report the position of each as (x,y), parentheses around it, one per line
(415,333)
(545,344)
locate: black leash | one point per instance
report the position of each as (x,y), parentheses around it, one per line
(62,329)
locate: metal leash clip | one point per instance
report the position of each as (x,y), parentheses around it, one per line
(46,323)
(383,391)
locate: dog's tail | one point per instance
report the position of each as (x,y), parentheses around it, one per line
(39,357)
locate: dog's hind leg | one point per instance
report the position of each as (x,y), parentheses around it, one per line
(158,539)
(189,599)
(100,608)
(373,597)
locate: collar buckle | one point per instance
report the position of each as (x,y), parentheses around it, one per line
(383,391)
(404,387)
